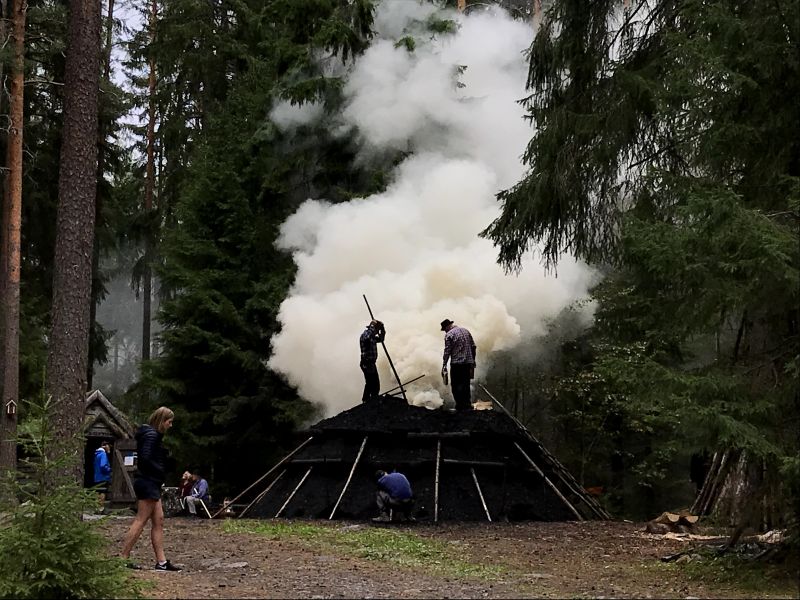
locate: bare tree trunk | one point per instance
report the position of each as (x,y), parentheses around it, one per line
(12,235)
(149,187)
(98,212)
(77,187)
(3,200)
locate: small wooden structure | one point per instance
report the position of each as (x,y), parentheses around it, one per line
(104,421)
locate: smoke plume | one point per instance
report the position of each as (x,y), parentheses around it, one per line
(414,250)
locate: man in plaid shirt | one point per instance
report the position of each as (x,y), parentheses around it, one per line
(372,336)
(459,349)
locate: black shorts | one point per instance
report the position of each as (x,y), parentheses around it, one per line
(146,489)
(101,487)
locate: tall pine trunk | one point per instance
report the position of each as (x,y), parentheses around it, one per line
(149,188)
(97,282)
(77,187)
(12,226)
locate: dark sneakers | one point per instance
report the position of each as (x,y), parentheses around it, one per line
(167,566)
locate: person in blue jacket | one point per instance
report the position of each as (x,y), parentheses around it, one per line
(394,493)
(102,471)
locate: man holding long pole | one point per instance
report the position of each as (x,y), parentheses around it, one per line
(373,335)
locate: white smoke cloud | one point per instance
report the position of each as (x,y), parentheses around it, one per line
(287,115)
(414,250)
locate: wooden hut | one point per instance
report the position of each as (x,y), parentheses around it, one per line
(104,421)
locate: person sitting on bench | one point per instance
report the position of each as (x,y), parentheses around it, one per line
(199,494)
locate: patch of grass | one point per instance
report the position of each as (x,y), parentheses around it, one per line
(396,547)
(745,574)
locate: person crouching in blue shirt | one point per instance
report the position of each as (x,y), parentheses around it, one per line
(394,493)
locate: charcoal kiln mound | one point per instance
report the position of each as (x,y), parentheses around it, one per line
(479,465)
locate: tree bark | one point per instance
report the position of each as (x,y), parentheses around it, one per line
(77,188)
(149,187)
(12,221)
(97,283)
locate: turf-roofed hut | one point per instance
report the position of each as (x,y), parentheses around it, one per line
(480,465)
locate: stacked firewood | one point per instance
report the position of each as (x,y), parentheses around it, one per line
(670,522)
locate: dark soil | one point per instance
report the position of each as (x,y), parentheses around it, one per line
(543,560)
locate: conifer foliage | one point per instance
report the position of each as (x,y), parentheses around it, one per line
(667,144)
(244,176)
(45,550)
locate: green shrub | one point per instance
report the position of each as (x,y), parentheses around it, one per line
(46,549)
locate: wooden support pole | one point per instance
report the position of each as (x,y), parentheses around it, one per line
(717,483)
(438,434)
(352,470)
(436,482)
(391,364)
(473,463)
(565,476)
(397,387)
(697,507)
(549,483)
(294,491)
(260,496)
(480,494)
(267,474)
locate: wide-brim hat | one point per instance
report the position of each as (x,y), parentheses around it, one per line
(446,323)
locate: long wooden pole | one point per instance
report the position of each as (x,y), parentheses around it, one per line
(294,491)
(397,387)
(565,476)
(391,364)
(352,470)
(260,496)
(480,494)
(265,475)
(549,483)
(436,483)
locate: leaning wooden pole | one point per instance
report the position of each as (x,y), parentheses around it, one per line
(436,482)
(480,494)
(564,476)
(391,364)
(261,495)
(397,387)
(264,476)
(294,491)
(550,483)
(349,477)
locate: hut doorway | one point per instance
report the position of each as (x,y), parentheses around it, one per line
(104,421)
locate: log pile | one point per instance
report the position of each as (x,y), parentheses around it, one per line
(670,522)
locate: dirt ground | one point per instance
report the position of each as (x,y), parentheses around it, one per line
(543,560)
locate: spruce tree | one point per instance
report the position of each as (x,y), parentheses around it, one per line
(666,150)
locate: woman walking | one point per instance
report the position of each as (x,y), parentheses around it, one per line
(150,455)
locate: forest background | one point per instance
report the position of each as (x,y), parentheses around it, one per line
(664,153)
